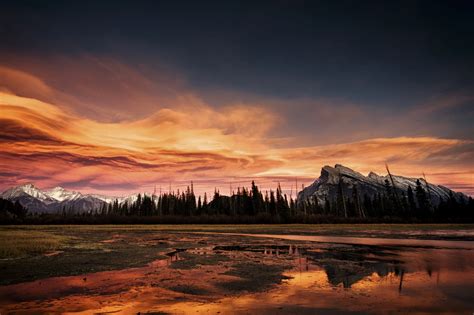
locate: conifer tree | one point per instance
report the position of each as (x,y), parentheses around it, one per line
(257,199)
(341,200)
(411,201)
(421,198)
(199,206)
(272,204)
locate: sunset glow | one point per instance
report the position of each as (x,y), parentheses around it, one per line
(162,96)
(47,142)
(236,157)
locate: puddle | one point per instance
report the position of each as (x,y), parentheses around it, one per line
(344,275)
(311,292)
(365,240)
(379,281)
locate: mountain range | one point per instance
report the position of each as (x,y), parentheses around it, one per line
(58,198)
(326,186)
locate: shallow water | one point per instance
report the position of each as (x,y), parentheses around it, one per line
(369,240)
(312,292)
(328,275)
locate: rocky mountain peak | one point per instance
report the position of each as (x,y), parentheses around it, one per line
(57,188)
(327,185)
(373,175)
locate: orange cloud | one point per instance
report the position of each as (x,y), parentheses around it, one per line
(171,145)
(43,140)
(44,144)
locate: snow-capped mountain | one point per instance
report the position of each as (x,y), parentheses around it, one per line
(53,200)
(30,197)
(28,190)
(106,199)
(61,194)
(327,185)
(58,199)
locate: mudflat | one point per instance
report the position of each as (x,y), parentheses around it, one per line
(232,269)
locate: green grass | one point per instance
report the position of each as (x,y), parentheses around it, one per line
(19,243)
(81,248)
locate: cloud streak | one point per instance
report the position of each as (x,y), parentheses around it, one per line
(45,141)
(171,147)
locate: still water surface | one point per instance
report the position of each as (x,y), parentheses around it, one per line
(328,275)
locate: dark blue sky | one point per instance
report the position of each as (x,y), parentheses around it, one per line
(379,57)
(180,90)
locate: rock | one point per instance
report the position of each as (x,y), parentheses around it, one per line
(326,186)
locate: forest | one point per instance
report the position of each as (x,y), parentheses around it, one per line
(251,205)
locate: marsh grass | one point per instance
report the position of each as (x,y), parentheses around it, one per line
(242,227)
(20,243)
(191,261)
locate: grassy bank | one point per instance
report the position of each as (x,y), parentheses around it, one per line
(16,243)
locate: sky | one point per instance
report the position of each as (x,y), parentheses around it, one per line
(116,97)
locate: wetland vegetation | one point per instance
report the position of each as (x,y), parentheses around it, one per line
(261,269)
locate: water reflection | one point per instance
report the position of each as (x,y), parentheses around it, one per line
(311,292)
(174,255)
(324,278)
(276,250)
(347,265)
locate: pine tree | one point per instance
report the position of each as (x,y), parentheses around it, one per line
(368,206)
(267,202)
(421,198)
(103,209)
(199,206)
(389,198)
(411,201)
(357,203)
(272,204)
(341,200)
(327,206)
(204,204)
(282,205)
(257,199)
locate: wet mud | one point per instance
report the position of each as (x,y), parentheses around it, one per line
(195,273)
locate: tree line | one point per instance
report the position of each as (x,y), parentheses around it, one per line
(251,205)
(414,203)
(243,202)
(13,209)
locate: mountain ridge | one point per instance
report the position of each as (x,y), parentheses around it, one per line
(326,186)
(54,199)
(323,188)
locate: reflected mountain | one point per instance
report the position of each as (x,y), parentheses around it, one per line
(347,265)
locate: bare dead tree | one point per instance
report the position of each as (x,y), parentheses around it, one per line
(400,285)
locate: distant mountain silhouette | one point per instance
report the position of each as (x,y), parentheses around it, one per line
(340,178)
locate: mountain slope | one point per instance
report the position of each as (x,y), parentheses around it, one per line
(51,201)
(61,194)
(327,185)
(58,199)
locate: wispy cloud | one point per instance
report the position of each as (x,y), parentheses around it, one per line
(49,137)
(43,143)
